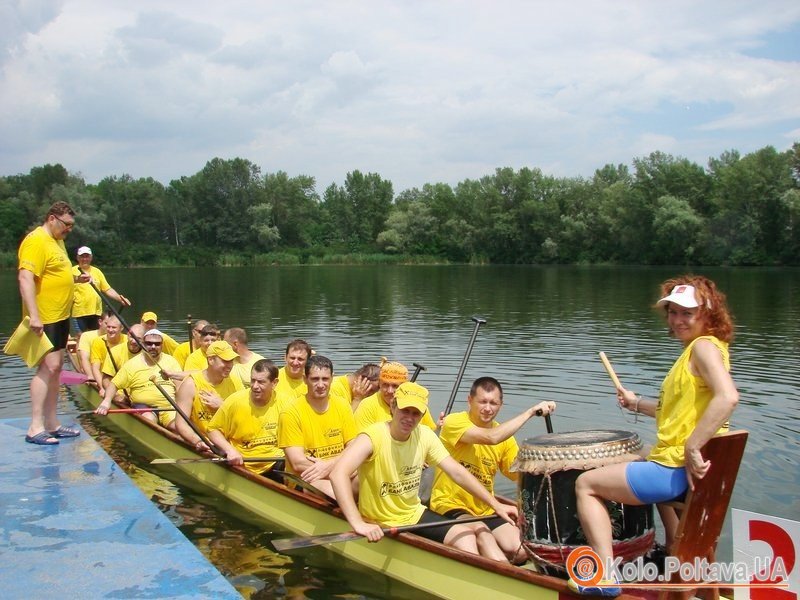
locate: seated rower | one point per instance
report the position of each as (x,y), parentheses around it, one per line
(377,407)
(237,338)
(354,387)
(184,349)
(314,429)
(246,425)
(203,392)
(150,321)
(85,347)
(135,377)
(197,361)
(482,446)
(291,378)
(389,458)
(102,344)
(120,354)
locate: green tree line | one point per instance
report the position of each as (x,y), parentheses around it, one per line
(737,210)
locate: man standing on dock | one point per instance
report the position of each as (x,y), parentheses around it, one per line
(46,285)
(87,306)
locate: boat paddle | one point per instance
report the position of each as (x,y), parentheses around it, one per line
(190,327)
(73,378)
(216,459)
(116,368)
(333,538)
(418,368)
(133,411)
(426,480)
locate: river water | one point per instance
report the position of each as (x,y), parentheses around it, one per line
(545,326)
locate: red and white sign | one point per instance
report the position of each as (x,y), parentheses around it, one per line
(769,546)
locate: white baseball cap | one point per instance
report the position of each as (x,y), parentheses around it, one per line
(682,295)
(84,250)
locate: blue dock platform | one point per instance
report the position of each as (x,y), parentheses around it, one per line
(73,525)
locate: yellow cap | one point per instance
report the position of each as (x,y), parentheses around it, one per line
(149,316)
(411,394)
(222,349)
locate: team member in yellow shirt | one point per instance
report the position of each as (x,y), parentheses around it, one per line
(291,378)
(184,349)
(237,338)
(120,354)
(135,377)
(87,305)
(85,348)
(46,287)
(389,457)
(246,425)
(354,387)
(483,446)
(150,321)
(314,429)
(377,407)
(203,392)
(102,344)
(197,360)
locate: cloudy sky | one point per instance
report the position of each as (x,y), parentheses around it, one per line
(416,91)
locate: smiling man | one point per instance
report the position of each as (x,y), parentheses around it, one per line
(87,307)
(291,377)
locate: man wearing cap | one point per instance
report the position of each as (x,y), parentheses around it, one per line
(314,429)
(246,425)
(377,407)
(87,306)
(135,377)
(354,387)
(150,321)
(203,392)
(197,360)
(46,285)
(184,349)
(291,378)
(237,338)
(483,446)
(389,457)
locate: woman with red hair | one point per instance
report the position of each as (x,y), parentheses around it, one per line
(696,400)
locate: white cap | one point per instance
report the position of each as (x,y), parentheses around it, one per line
(84,250)
(682,295)
(153,332)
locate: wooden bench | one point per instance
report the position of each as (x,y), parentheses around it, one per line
(703,511)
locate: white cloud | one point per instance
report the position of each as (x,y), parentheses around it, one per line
(418,92)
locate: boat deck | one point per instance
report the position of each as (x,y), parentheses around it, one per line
(73,523)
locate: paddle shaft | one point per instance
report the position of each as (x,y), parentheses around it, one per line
(191,336)
(320,540)
(186,418)
(478,322)
(417,369)
(216,459)
(129,410)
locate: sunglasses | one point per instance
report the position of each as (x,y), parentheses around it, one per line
(146,343)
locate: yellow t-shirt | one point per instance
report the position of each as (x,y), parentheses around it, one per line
(86,339)
(251,429)
(121,354)
(374,410)
(340,388)
(86,301)
(47,259)
(683,400)
(196,361)
(134,376)
(389,478)
(201,414)
(168,344)
(242,370)
(321,435)
(290,387)
(481,460)
(181,353)
(98,351)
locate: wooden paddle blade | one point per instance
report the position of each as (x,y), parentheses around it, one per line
(318,540)
(180,461)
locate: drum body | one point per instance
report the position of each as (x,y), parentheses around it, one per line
(548,466)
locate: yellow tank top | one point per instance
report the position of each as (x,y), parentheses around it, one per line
(683,399)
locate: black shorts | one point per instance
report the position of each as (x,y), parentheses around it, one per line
(58,333)
(87,323)
(492,523)
(437,534)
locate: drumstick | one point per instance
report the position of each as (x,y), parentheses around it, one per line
(610,370)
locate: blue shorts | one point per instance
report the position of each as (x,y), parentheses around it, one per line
(651,482)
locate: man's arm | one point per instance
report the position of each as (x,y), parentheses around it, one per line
(496,435)
(27,291)
(115,295)
(296,455)
(184,397)
(350,460)
(232,455)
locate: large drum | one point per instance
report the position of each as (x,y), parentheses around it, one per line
(548,466)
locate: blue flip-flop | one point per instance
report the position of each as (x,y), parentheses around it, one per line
(43,438)
(65,431)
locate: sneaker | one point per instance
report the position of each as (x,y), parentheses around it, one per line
(606,588)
